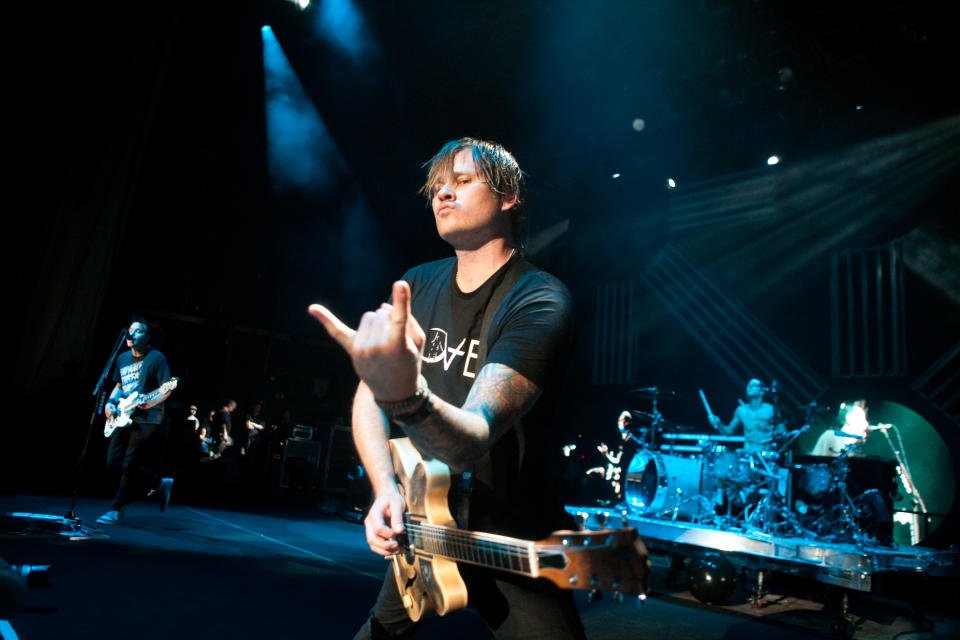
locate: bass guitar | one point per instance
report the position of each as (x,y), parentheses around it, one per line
(128,405)
(432,545)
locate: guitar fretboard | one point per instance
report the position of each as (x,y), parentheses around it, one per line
(486,550)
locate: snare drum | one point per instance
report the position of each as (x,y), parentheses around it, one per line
(659,484)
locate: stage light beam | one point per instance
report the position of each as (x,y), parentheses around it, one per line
(301,154)
(341,24)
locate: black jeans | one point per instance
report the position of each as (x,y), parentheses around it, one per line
(130,451)
(513,608)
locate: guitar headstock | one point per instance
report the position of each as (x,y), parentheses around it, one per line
(607,560)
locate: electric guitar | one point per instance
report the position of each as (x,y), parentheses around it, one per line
(128,405)
(432,545)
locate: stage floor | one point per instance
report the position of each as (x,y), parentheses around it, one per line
(294,572)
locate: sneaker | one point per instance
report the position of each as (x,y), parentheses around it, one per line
(162,492)
(110,517)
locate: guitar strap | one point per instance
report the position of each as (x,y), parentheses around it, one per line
(510,279)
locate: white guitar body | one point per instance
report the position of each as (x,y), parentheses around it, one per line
(126,406)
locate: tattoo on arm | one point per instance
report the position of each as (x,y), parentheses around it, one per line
(459,436)
(501,396)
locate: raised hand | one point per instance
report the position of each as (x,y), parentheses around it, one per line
(385,348)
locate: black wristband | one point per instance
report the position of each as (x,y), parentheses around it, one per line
(413,404)
(418,416)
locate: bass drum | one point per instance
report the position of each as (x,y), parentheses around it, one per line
(659,484)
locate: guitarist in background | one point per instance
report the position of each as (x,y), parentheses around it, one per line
(141,369)
(423,374)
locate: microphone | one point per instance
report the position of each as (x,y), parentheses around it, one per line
(844,434)
(879,427)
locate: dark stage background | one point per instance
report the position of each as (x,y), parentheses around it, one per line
(174,159)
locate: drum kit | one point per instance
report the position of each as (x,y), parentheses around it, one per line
(712,479)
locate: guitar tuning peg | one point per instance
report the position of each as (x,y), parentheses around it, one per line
(624,522)
(594,596)
(617,597)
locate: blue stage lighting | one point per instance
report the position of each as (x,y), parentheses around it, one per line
(341,24)
(301,154)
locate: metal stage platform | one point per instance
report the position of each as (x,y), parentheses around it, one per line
(846,565)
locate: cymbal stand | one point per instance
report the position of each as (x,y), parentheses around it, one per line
(846,508)
(655,424)
(773,510)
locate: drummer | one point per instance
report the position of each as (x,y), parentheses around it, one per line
(756,417)
(852,431)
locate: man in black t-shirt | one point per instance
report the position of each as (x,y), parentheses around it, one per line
(223,427)
(421,364)
(140,370)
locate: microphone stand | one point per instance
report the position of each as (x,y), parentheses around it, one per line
(70,524)
(907,479)
(99,392)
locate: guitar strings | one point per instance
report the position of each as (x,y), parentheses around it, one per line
(493,541)
(471,546)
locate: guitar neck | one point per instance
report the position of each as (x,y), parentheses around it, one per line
(167,386)
(153,395)
(482,549)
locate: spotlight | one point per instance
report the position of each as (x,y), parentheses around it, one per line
(772,160)
(303,4)
(671,183)
(615,176)
(638,124)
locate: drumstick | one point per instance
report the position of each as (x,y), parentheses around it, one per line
(706,405)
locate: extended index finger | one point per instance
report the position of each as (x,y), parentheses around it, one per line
(337,329)
(400,310)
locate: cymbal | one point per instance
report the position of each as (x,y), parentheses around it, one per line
(651,392)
